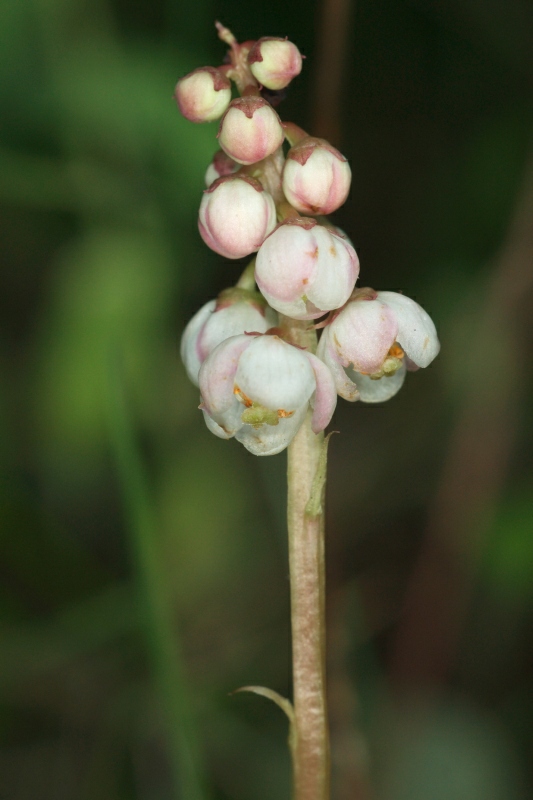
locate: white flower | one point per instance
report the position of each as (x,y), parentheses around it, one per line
(305,270)
(234,312)
(373,340)
(259,388)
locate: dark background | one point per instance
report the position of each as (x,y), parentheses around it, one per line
(143,561)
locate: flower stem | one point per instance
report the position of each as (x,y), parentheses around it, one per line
(306,563)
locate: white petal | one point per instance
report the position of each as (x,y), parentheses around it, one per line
(336,273)
(190,356)
(416,330)
(325,352)
(217,376)
(267,440)
(378,391)
(363,333)
(324,400)
(231,321)
(214,427)
(275,374)
(286,264)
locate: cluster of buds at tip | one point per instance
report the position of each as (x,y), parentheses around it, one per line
(256,385)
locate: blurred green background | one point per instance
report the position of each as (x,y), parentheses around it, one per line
(142,560)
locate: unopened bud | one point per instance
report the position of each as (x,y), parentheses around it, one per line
(203,95)
(236,214)
(220,166)
(305,270)
(250,130)
(316,177)
(274,62)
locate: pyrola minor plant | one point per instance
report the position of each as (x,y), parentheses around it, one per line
(264,378)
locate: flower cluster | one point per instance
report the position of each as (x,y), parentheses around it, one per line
(257,382)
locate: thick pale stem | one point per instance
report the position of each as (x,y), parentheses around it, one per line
(306,562)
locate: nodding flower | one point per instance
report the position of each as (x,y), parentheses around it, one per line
(305,269)
(258,389)
(371,343)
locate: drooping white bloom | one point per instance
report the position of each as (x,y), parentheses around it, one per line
(373,340)
(305,269)
(236,311)
(259,388)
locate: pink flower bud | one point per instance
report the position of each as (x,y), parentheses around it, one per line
(316,177)
(235,312)
(259,388)
(304,269)
(220,166)
(373,340)
(236,214)
(203,95)
(274,62)
(250,130)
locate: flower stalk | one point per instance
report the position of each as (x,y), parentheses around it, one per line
(310,746)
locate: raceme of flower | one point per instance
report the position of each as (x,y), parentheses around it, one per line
(256,380)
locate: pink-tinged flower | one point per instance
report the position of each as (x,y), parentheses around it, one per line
(316,177)
(250,130)
(305,270)
(235,312)
(373,340)
(259,388)
(220,166)
(274,62)
(203,95)
(236,214)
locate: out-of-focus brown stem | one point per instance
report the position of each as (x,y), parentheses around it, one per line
(306,564)
(474,471)
(332,38)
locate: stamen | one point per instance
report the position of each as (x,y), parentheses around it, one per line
(396,351)
(241,397)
